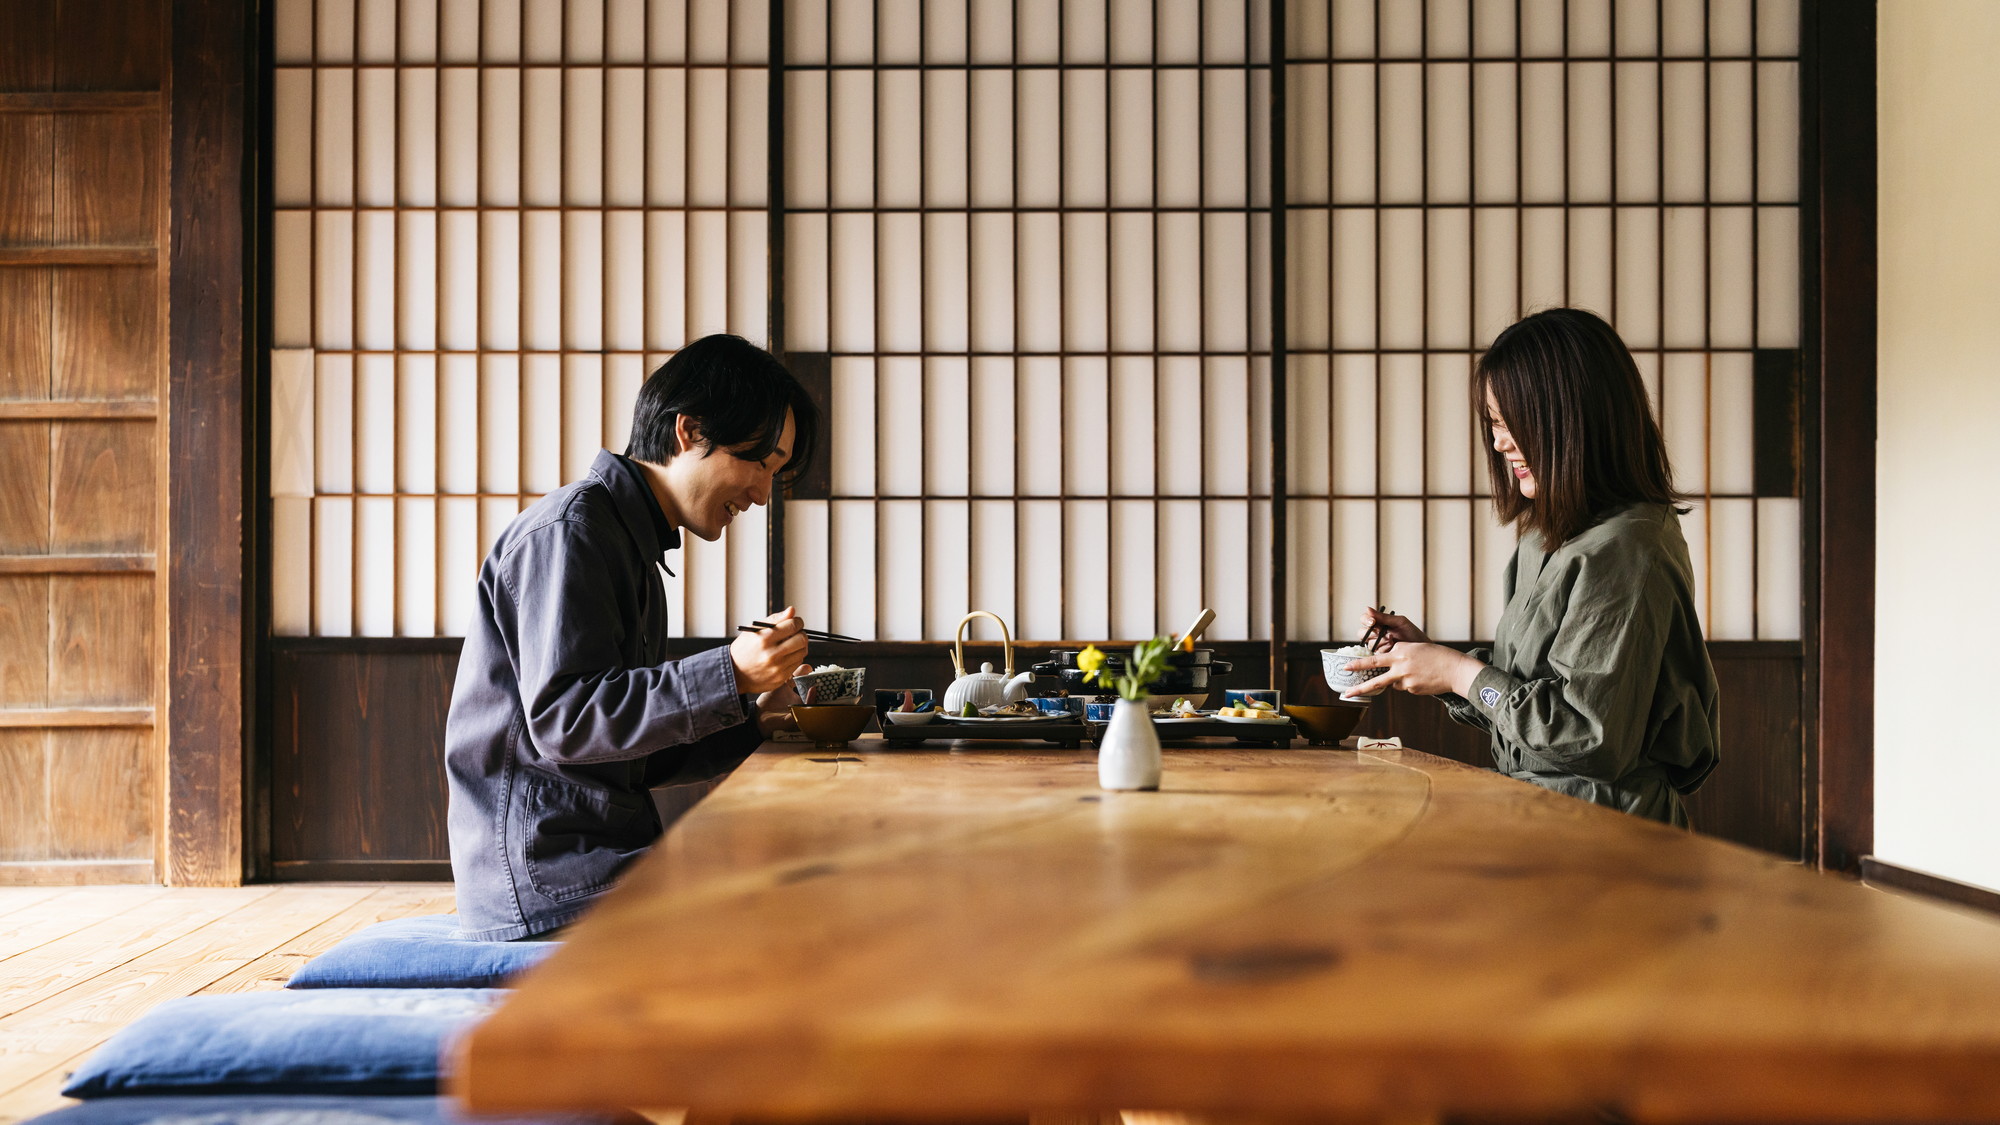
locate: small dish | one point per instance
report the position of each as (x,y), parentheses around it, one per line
(910,718)
(995,718)
(1268,720)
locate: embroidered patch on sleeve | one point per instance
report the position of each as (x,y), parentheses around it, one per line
(1490,696)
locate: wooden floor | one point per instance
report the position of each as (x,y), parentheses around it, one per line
(78,963)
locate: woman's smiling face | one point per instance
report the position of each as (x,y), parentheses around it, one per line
(1503,443)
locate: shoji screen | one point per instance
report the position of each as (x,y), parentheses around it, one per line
(1455,163)
(492,219)
(1032,236)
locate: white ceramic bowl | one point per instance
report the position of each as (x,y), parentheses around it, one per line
(1339,678)
(911,718)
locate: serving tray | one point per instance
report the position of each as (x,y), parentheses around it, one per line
(1198,732)
(1068,732)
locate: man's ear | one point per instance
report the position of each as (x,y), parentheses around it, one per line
(687,433)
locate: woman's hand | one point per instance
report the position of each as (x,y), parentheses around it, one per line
(764,659)
(1418,667)
(774,707)
(1383,631)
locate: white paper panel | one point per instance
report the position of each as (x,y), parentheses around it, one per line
(333,567)
(1448,563)
(947,558)
(1355,554)
(806,548)
(1086,591)
(1039,565)
(1132,571)
(1778,605)
(993,553)
(291,566)
(375,554)
(1732,573)
(1403,578)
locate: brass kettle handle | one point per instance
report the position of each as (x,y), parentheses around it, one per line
(958,643)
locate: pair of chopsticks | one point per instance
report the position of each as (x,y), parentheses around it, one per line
(1372,637)
(811,634)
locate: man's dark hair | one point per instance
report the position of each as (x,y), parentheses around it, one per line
(1572,398)
(736,392)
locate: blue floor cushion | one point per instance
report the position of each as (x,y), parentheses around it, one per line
(330,1041)
(294,1109)
(418,953)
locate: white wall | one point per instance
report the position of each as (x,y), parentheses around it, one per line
(1937,749)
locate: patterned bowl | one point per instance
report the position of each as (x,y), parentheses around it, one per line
(838,686)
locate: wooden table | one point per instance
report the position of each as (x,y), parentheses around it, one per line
(972,933)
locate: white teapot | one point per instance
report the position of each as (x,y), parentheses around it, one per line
(984,688)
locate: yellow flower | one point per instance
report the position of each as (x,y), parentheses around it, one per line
(1090,660)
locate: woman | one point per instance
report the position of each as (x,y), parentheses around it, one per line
(1598,684)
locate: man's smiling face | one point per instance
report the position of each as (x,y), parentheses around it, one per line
(707,489)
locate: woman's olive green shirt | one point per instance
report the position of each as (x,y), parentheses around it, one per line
(1598,684)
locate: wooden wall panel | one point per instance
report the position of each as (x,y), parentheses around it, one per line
(349,714)
(27,41)
(125,38)
(24,502)
(86,176)
(105,330)
(24,811)
(26,325)
(101,651)
(102,781)
(24,640)
(358,767)
(27,200)
(107,179)
(103,494)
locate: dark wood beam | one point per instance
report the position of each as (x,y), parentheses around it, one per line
(1837,151)
(209,448)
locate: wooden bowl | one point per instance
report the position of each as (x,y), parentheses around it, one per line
(833,725)
(1326,726)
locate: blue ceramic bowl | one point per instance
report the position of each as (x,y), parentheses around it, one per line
(1058,707)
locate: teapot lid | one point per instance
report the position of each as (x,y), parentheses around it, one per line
(987,667)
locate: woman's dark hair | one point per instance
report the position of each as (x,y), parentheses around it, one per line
(1571,397)
(736,392)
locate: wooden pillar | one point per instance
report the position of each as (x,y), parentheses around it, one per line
(207,561)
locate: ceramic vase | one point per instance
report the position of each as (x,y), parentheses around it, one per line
(1129,756)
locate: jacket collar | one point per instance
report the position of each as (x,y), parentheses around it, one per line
(637,508)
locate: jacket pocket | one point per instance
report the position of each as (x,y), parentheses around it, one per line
(578,839)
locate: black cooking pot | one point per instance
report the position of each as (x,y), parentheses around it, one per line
(1187,672)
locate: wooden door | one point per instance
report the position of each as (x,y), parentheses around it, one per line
(82,365)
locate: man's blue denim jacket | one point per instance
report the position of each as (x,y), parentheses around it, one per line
(566,709)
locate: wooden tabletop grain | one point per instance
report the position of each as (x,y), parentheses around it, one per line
(940,933)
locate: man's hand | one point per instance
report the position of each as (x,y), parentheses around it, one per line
(774,707)
(765,659)
(1418,667)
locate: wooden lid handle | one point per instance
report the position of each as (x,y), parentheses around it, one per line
(958,643)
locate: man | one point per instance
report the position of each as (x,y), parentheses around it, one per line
(566,710)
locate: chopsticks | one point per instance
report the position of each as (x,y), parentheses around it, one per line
(1374,634)
(811,634)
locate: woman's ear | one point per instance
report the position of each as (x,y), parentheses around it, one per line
(687,433)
